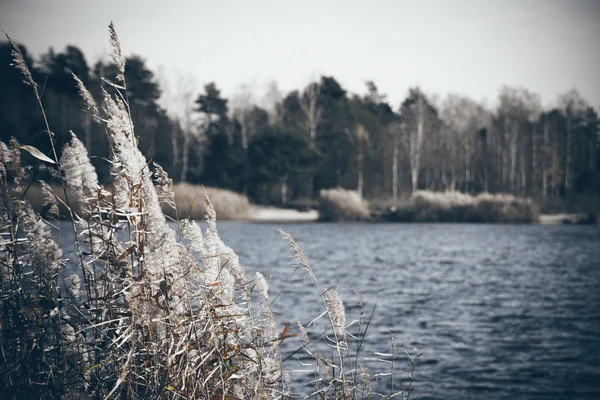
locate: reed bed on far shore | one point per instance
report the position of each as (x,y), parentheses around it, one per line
(188,202)
(341,205)
(426,206)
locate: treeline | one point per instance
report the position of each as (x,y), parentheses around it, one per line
(321,136)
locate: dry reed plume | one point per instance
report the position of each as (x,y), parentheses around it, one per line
(147,314)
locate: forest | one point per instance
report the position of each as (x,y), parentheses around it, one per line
(320,136)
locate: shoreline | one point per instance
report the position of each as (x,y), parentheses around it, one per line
(260,214)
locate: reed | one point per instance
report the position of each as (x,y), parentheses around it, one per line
(426,206)
(154,309)
(339,205)
(188,202)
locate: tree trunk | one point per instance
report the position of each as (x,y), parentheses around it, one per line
(513,160)
(415,148)
(545,161)
(184,156)
(555,167)
(309,105)
(568,156)
(283,184)
(592,150)
(395,172)
(485,163)
(360,165)
(535,164)
(174,146)
(523,173)
(244,133)
(467,165)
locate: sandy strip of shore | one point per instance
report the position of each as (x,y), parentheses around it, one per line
(272,214)
(552,219)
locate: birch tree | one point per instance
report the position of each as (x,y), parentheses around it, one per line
(242,103)
(312,110)
(178,98)
(360,137)
(517,112)
(573,108)
(418,115)
(395,130)
(464,119)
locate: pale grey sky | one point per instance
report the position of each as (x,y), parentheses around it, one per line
(465,47)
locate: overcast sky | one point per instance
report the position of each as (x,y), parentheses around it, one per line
(465,47)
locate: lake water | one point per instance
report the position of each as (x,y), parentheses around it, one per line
(499,311)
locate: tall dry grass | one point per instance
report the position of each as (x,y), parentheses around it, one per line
(188,202)
(147,314)
(426,206)
(340,205)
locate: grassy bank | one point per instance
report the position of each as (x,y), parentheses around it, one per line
(425,206)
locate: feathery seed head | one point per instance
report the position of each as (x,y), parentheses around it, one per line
(163,185)
(193,232)
(20,64)
(44,252)
(365,379)
(325,368)
(79,172)
(336,309)
(5,153)
(116,54)
(14,157)
(297,252)
(361,303)
(5,158)
(303,334)
(262,286)
(211,214)
(87,97)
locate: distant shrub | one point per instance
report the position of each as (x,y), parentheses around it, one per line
(189,202)
(426,206)
(342,205)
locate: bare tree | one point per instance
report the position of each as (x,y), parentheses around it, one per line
(517,111)
(412,112)
(395,130)
(464,119)
(312,110)
(178,98)
(416,145)
(545,164)
(360,137)
(271,101)
(573,107)
(242,104)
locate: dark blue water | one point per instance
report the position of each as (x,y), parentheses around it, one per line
(499,311)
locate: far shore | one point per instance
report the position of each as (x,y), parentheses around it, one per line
(234,207)
(283,215)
